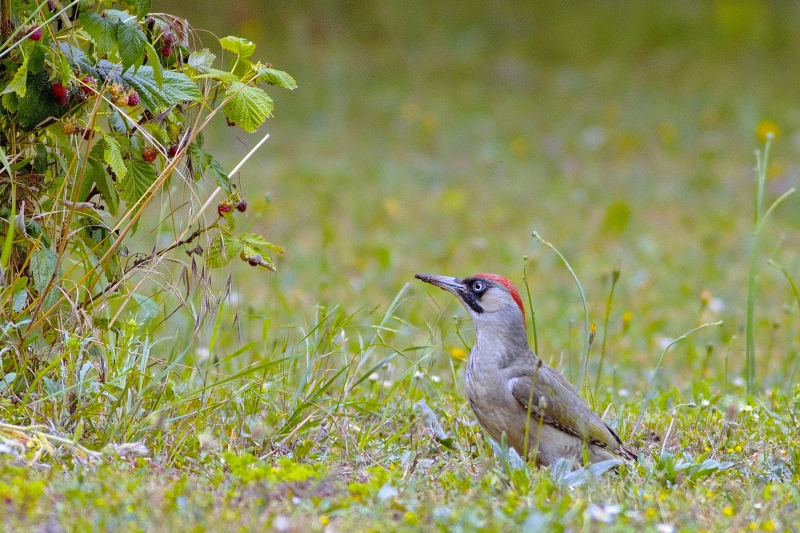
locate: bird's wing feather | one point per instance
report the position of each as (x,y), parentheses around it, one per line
(554,400)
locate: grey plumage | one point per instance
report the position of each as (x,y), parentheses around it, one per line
(513,391)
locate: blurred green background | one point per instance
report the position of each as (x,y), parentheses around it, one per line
(436,136)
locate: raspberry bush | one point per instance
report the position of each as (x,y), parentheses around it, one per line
(103,107)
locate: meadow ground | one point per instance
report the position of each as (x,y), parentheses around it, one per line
(438,138)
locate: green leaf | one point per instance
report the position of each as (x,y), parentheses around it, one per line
(132,42)
(276,77)
(248,107)
(222,251)
(143,8)
(260,242)
(37,58)
(42,267)
(113,156)
(154,60)
(205,160)
(96,172)
(176,87)
(141,175)
(147,305)
(19,84)
(237,45)
(102,30)
(38,105)
(219,75)
(201,60)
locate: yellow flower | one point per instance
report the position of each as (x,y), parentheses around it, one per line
(765,128)
(324,520)
(458,353)
(769,525)
(728,511)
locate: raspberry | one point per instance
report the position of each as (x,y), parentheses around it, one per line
(116,89)
(224,208)
(241,206)
(68,128)
(60,93)
(88,85)
(59,89)
(169,39)
(166,50)
(121,100)
(172,150)
(149,154)
(133,99)
(35,33)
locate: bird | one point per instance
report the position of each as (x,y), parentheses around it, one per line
(512,391)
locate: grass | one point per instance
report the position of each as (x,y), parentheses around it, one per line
(427,138)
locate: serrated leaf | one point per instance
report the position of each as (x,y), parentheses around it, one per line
(147,305)
(19,84)
(219,75)
(37,58)
(206,161)
(38,106)
(42,267)
(237,45)
(222,251)
(154,60)
(229,220)
(132,42)
(143,8)
(248,107)
(20,301)
(256,240)
(141,175)
(96,172)
(112,155)
(201,60)
(176,87)
(221,177)
(276,77)
(102,30)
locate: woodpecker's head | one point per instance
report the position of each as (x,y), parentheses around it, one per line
(486,297)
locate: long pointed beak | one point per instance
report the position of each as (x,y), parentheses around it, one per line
(447,283)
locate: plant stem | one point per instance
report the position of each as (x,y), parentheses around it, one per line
(585,308)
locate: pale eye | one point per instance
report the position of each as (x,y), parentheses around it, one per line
(478,287)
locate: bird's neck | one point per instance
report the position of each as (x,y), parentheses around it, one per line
(504,342)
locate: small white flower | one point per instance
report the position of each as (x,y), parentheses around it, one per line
(665,528)
(436,379)
(373,376)
(705,403)
(624,393)
(738,382)
(758,505)
(387,383)
(604,513)
(716,305)
(418,374)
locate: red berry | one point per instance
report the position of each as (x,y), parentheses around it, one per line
(88,85)
(166,50)
(224,208)
(149,154)
(241,206)
(60,93)
(35,33)
(59,89)
(169,39)
(133,99)
(172,150)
